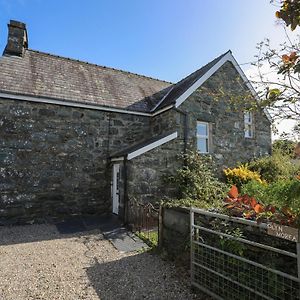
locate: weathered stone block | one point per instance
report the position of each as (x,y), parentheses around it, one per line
(47,112)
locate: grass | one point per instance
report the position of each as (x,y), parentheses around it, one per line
(149,237)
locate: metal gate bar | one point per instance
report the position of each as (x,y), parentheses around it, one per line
(280,251)
(225,275)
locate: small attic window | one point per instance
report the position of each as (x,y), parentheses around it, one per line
(202,137)
(249,126)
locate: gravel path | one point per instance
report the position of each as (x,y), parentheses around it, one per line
(37,262)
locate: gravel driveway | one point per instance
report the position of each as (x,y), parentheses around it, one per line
(37,262)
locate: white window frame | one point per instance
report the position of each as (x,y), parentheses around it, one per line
(200,136)
(248,124)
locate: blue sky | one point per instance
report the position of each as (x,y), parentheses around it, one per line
(166,39)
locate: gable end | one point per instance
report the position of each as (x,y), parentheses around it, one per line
(228,57)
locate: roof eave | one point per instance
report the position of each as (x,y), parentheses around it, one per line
(227,57)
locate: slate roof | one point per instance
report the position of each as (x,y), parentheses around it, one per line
(44,75)
(180,87)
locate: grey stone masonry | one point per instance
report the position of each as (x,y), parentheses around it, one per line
(228,144)
(54,159)
(17,40)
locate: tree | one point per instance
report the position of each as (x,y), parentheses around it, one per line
(289,12)
(278,70)
(286,147)
(278,80)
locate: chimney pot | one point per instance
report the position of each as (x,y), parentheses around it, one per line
(17,40)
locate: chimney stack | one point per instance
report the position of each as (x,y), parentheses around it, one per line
(17,40)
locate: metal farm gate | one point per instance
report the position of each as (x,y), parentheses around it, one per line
(234,258)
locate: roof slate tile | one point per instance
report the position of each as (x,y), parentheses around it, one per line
(44,75)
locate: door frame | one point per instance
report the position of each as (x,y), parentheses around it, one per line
(115,188)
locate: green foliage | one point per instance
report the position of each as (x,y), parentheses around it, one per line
(232,245)
(280,96)
(256,190)
(149,237)
(196,181)
(276,167)
(289,12)
(282,193)
(226,243)
(189,202)
(284,147)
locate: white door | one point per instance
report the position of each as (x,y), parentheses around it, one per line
(116,189)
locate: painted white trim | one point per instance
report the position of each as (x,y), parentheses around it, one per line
(70,103)
(78,104)
(200,136)
(162,110)
(249,85)
(163,98)
(116,188)
(117,159)
(201,80)
(152,145)
(210,72)
(248,122)
(179,100)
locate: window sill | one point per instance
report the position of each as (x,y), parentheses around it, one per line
(203,152)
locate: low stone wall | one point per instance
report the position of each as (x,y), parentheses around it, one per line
(175,230)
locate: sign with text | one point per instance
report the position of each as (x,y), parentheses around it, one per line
(284,232)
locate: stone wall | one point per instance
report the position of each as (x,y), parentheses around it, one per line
(146,173)
(175,230)
(164,122)
(228,143)
(211,103)
(54,159)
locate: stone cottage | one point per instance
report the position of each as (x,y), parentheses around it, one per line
(78,138)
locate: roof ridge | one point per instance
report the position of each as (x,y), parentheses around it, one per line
(192,76)
(96,65)
(214,61)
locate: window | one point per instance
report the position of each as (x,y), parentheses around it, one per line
(202,137)
(248,121)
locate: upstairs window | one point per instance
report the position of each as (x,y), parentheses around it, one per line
(248,121)
(202,137)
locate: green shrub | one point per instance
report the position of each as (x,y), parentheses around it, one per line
(197,183)
(285,147)
(281,193)
(255,189)
(275,167)
(216,205)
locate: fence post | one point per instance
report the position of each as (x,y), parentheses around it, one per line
(192,238)
(160,227)
(298,263)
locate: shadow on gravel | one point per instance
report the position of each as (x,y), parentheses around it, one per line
(70,227)
(141,276)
